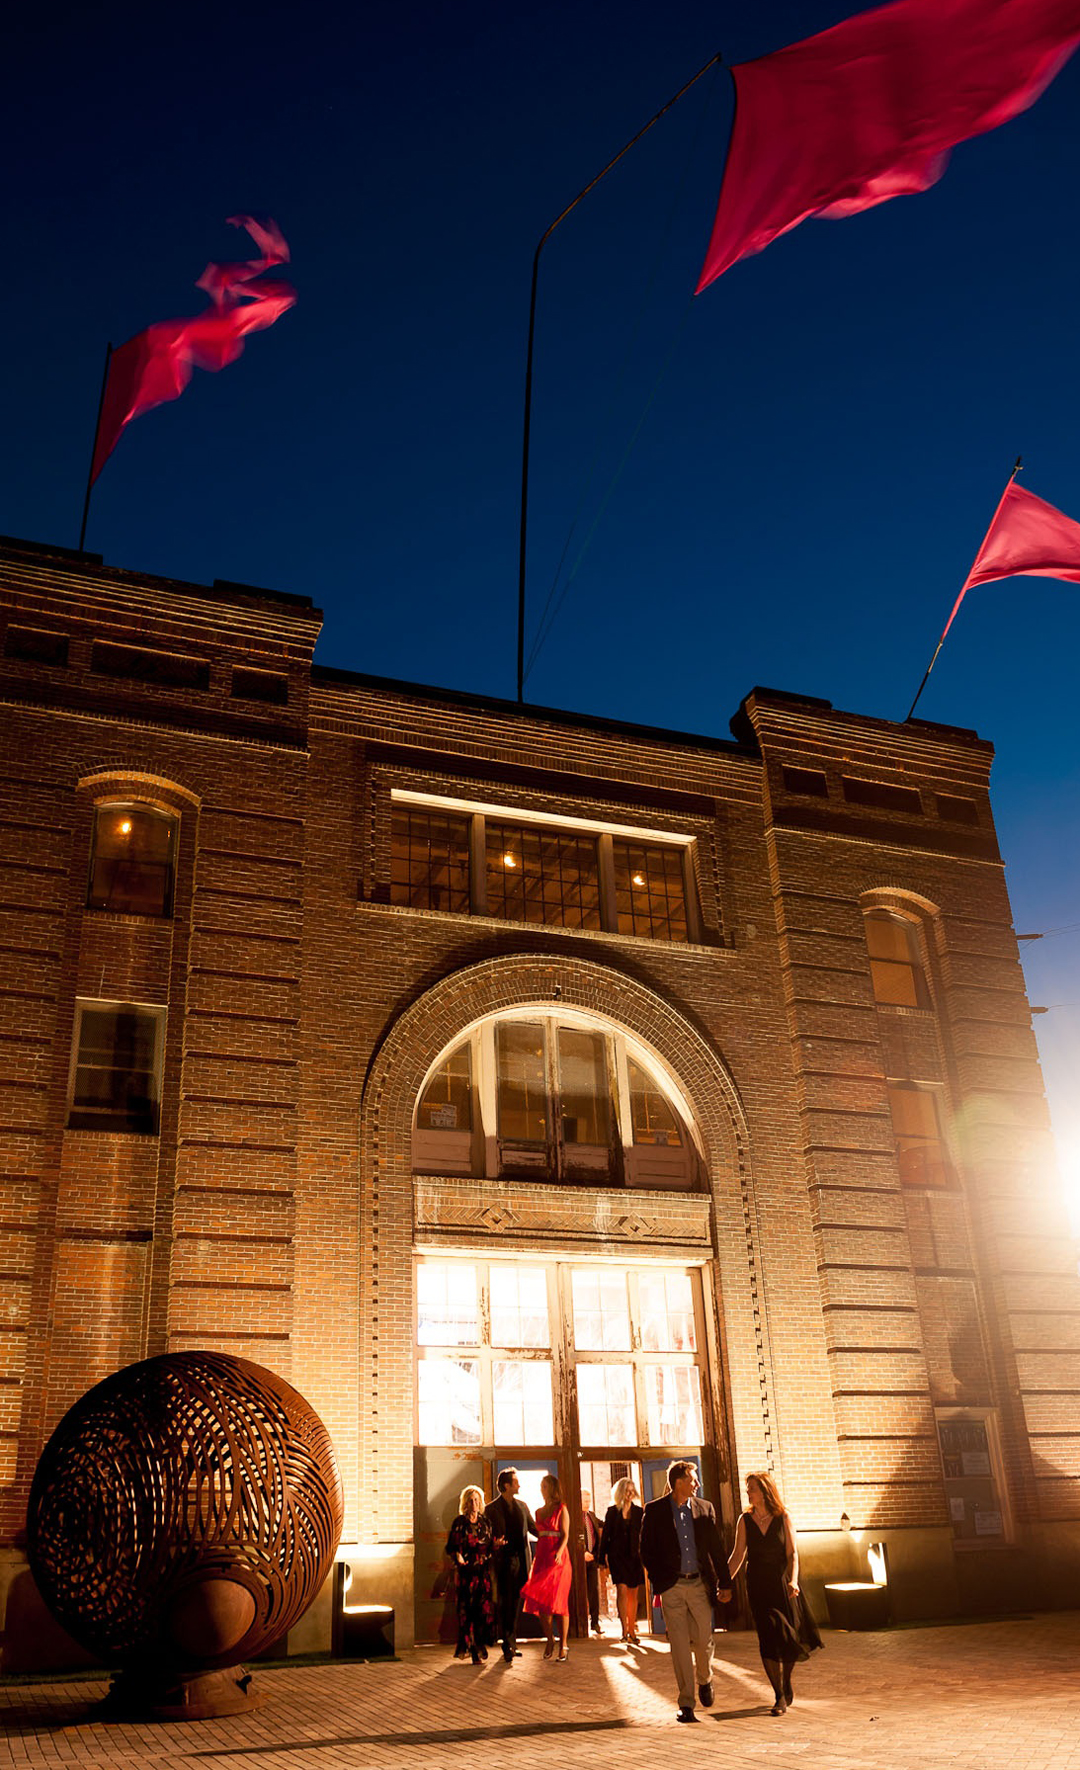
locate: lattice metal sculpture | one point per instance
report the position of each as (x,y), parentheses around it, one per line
(182,1517)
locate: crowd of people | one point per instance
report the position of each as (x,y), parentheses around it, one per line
(674,1540)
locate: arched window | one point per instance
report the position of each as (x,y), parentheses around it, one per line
(131,864)
(896,966)
(554,1098)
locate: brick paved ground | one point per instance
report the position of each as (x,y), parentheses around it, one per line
(992,1696)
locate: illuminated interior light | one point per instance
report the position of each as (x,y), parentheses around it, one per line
(509,861)
(125,827)
(636,879)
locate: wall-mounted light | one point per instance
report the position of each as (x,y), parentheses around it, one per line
(637,879)
(877,1556)
(509,861)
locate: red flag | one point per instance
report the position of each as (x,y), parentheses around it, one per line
(156,365)
(1027,538)
(869,109)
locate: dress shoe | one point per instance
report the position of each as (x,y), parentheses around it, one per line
(705,1695)
(686,1715)
(508,1655)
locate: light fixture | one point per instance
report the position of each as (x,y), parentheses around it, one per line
(509,861)
(125,827)
(637,879)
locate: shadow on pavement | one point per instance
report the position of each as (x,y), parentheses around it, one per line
(434,1736)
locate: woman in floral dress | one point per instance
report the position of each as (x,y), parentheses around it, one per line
(470,1547)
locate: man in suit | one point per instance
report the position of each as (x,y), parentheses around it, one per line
(591,1531)
(687,1567)
(511,1526)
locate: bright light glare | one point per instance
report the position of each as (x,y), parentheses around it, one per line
(1068,1149)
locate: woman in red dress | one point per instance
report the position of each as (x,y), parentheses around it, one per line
(546,1592)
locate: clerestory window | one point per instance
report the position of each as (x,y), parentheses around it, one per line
(560,875)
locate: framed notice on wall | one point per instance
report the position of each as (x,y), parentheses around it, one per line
(971,1469)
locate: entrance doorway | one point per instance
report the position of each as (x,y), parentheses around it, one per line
(590,1370)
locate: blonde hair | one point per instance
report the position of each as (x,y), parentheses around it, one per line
(618,1492)
(465,1492)
(769,1492)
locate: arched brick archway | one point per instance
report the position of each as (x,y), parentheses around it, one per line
(411,1046)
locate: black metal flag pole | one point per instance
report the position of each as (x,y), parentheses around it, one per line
(982,544)
(644,130)
(93,451)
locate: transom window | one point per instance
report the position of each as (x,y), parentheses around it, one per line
(896,967)
(489,864)
(535,1096)
(131,866)
(592,1356)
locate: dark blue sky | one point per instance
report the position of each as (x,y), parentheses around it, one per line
(825,431)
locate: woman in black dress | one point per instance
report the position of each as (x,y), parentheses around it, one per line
(765,1540)
(470,1547)
(620,1552)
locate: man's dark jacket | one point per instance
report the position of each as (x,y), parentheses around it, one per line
(512,1519)
(660,1546)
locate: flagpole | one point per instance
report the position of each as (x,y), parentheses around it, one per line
(956,605)
(93,451)
(529,353)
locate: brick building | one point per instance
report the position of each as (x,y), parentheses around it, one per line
(524,1087)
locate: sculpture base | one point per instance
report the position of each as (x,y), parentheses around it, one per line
(192,1696)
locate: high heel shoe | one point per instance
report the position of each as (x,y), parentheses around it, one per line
(779,1707)
(560,1657)
(549,1650)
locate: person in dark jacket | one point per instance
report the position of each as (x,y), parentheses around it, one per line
(686,1563)
(511,1526)
(590,1529)
(620,1551)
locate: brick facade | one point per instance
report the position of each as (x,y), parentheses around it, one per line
(276,1215)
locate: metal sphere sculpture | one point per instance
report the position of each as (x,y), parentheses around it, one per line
(182,1517)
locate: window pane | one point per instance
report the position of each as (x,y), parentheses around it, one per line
(521,1398)
(896,969)
(131,868)
(653,1117)
(536,875)
(446,1103)
(649,894)
(522,1078)
(673,1394)
(921,1153)
(446,1306)
(606,1412)
(449,1401)
(583,1087)
(519,1306)
(116,1080)
(429,860)
(601,1311)
(667,1312)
